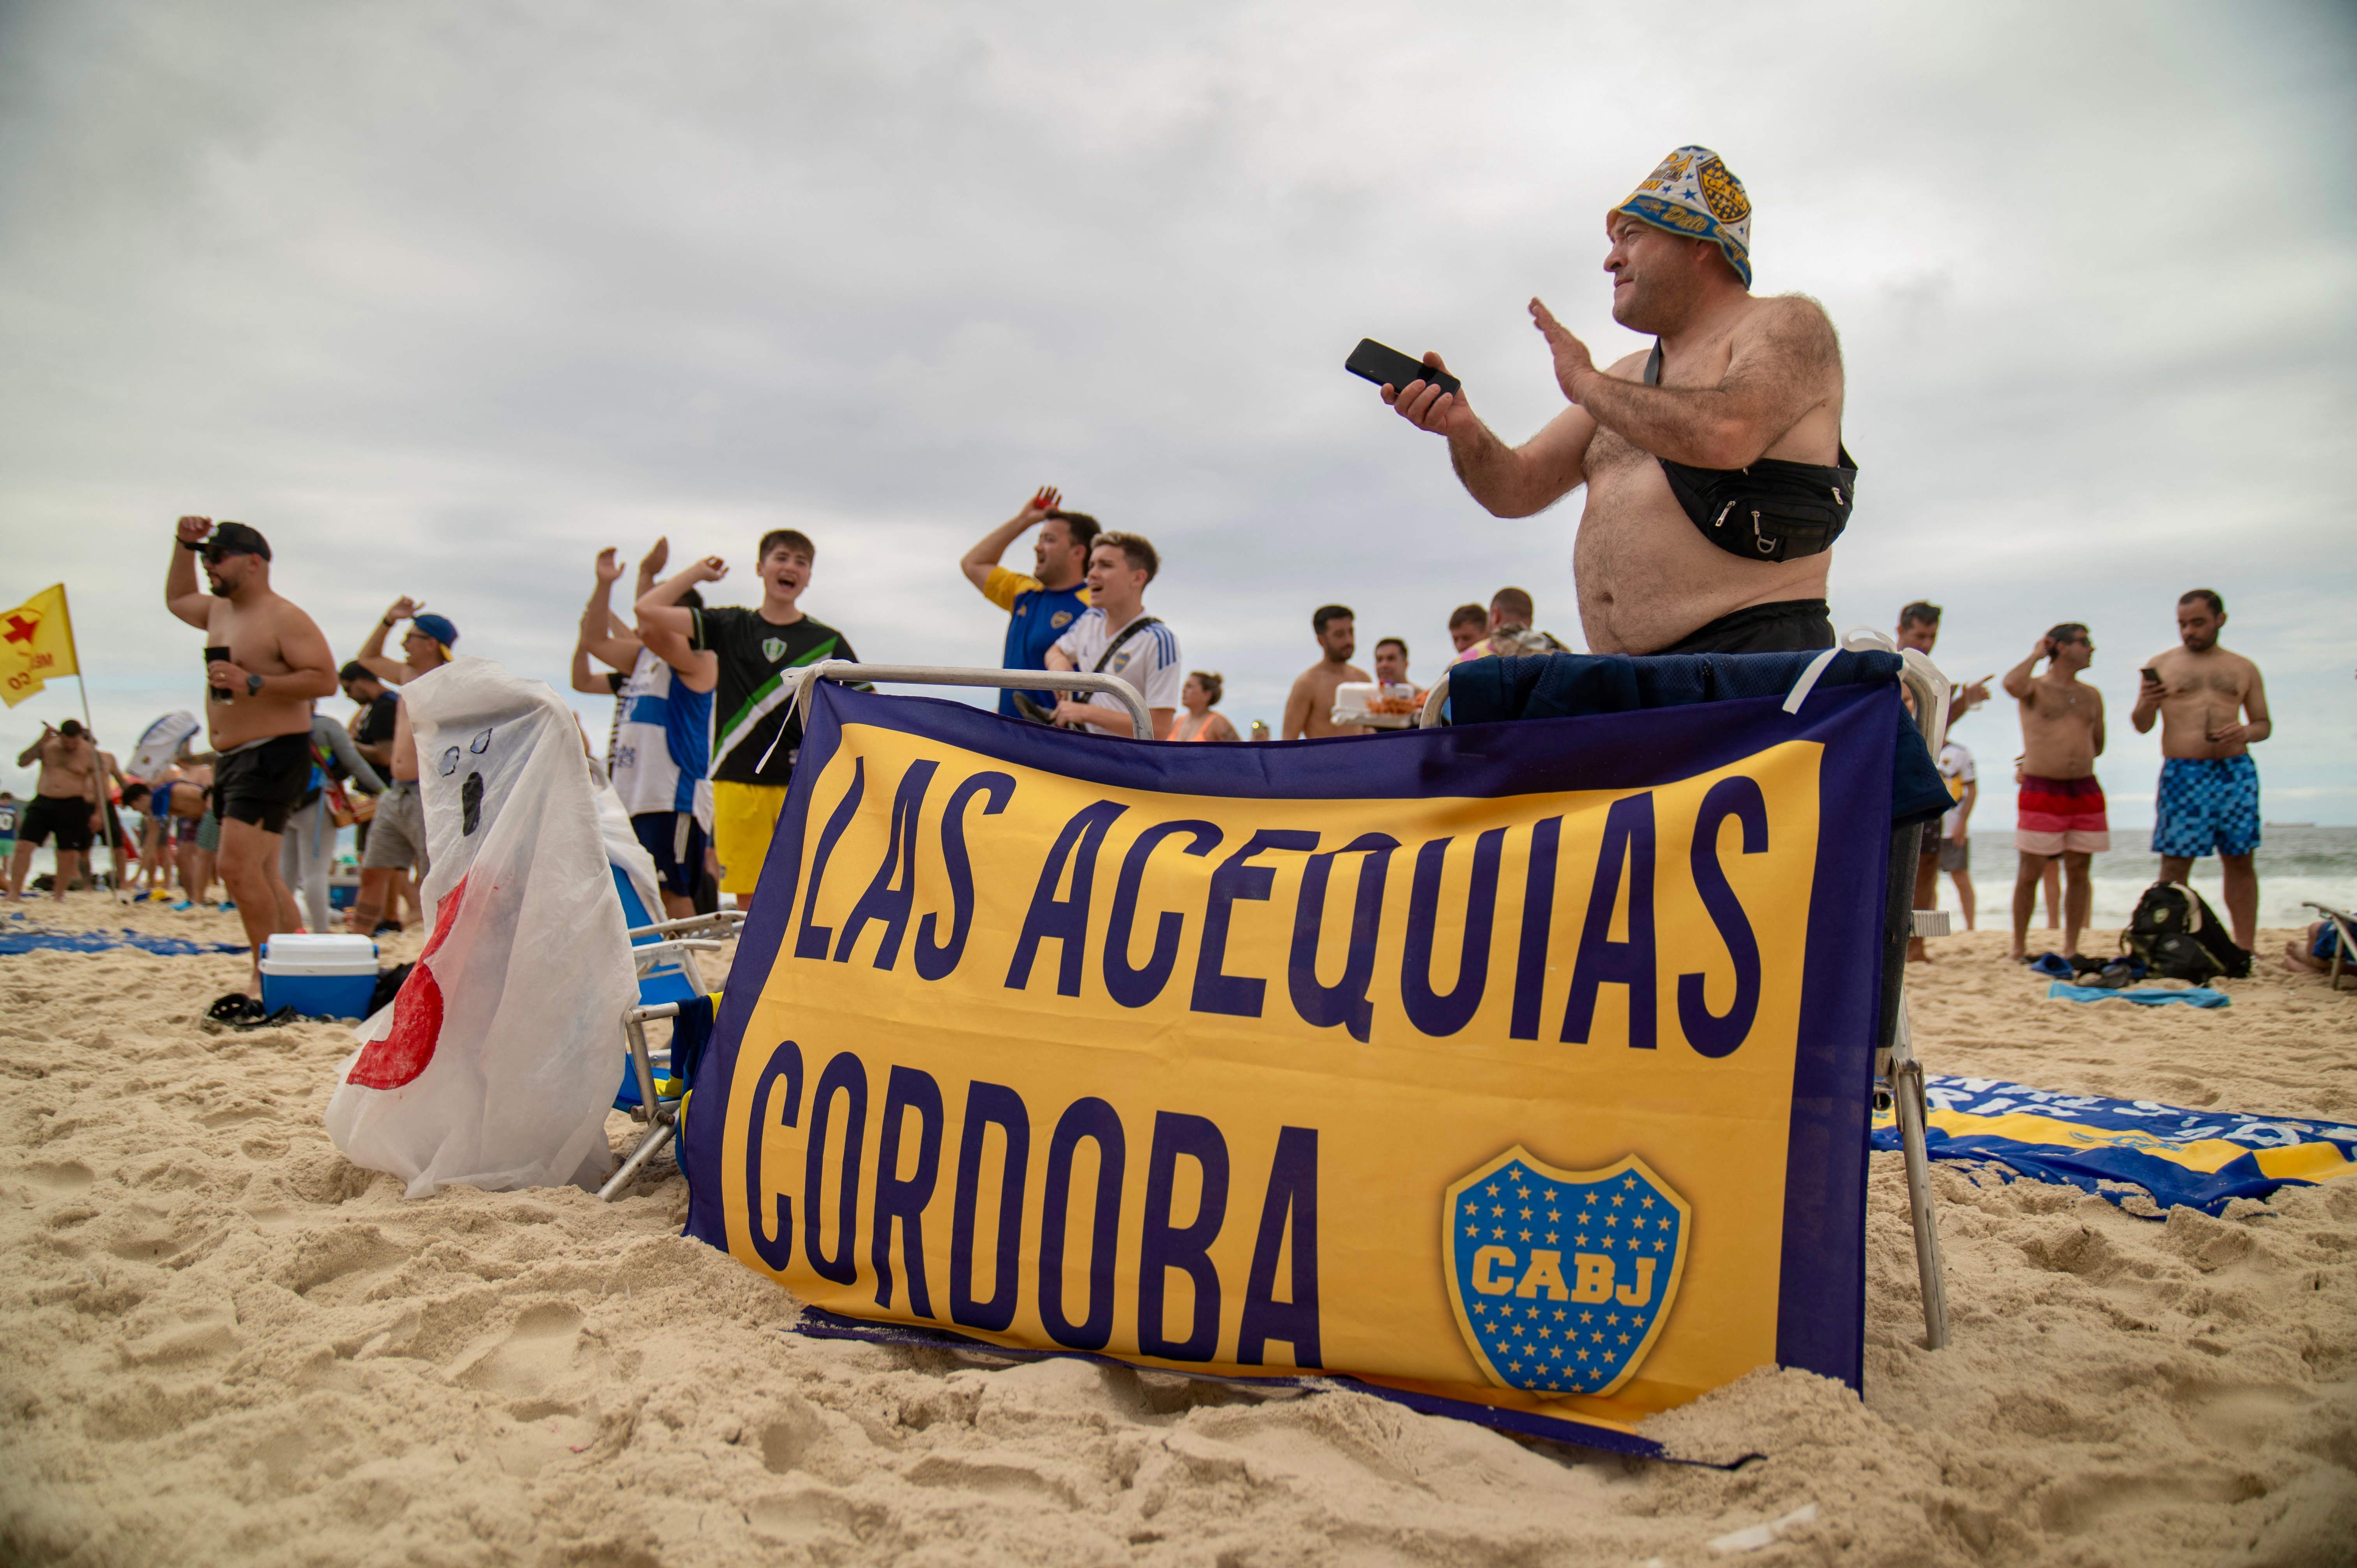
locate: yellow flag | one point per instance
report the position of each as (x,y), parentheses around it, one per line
(36,642)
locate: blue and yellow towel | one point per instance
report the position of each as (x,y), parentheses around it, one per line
(2181,1158)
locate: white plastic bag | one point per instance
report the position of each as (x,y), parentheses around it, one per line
(496,1064)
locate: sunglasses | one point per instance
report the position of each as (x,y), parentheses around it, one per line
(217,554)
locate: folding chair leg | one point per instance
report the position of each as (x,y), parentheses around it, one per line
(649,1146)
(1907,1095)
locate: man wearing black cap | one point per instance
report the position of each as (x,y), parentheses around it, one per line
(425,646)
(265,664)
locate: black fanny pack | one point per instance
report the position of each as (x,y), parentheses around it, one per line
(1772,510)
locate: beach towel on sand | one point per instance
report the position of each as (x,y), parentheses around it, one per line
(2192,995)
(495,1062)
(2176,1155)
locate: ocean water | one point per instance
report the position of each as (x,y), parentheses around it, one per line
(2294,863)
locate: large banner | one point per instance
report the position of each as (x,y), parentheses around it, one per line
(1519,1070)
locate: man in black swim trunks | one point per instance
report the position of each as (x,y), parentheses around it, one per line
(64,803)
(265,664)
(1741,398)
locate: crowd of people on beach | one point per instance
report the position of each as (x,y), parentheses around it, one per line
(1717,485)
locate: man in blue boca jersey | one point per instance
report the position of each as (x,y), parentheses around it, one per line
(1041,607)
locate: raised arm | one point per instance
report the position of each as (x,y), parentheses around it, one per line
(31,754)
(1509,481)
(979,561)
(659,609)
(597,636)
(372,656)
(2018,679)
(184,596)
(589,682)
(1786,362)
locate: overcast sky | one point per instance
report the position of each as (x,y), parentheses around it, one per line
(443,297)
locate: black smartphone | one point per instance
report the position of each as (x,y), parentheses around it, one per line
(1388,367)
(2151,676)
(220,693)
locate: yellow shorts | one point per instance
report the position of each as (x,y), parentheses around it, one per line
(742,818)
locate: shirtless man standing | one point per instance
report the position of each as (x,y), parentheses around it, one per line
(64,798)
(2211,705)
(265,664)
(1309,706)
(1728,562)
(2060,810)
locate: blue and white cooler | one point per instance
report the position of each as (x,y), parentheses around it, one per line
(323,976)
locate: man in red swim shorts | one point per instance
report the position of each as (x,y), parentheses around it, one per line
(2061,811)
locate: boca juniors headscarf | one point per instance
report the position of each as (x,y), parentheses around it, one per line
(1694,193)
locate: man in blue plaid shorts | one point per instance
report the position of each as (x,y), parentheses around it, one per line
(2212,707)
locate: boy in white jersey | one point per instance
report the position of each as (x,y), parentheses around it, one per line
(662,755)
(1116,637)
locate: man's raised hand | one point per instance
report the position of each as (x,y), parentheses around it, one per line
(402,608)
(1426,406)
(194,530)
(1048,499)
(711,569)
(651,567)
(1572,359)
(608,568)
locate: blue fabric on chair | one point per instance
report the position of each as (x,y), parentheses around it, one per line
(1576,686)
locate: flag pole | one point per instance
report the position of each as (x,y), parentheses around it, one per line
(106,816)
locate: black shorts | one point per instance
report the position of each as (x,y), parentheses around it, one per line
(1788,626)
(67,816)
(677,841)
(264,783)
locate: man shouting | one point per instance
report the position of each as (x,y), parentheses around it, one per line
(1716,480)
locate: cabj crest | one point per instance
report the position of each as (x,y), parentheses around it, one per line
(1562,1280)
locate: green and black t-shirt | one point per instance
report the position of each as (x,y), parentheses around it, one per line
(750,701)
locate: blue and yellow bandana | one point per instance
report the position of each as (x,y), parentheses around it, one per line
(1694,193)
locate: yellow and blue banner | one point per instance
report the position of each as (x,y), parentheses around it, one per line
(1519,1070)
(2176,1157)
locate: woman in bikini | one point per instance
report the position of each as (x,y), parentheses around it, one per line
(1199,721)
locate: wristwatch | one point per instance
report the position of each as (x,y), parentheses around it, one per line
(253,685)
(196,544)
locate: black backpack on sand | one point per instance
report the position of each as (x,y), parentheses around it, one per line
(2178,936)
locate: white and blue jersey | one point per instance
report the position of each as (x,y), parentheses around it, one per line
(663,751)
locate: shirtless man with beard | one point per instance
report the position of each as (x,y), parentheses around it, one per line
(1715,475)
(2211,706)
(265,664)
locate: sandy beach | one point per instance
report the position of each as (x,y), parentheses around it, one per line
(225,1345)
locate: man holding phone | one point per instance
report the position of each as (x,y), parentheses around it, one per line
(265,664)
(1716,480)
(2211,705)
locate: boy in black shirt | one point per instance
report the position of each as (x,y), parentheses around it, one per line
(755,648)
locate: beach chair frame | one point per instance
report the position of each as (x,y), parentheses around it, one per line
(1897,1076)
(674,943)
(2344,925)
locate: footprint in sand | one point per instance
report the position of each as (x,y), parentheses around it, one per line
(52,1180)
(531,1357)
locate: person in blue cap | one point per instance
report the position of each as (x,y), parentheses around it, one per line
(425,646)
(1717,479)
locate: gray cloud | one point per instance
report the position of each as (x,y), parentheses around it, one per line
(446,297)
